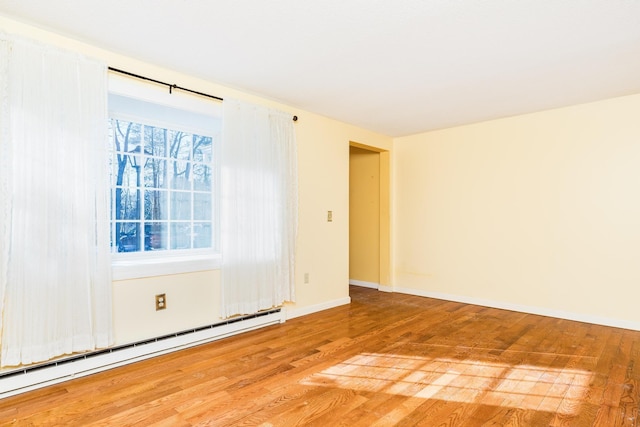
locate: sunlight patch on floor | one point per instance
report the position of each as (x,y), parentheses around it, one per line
(542,388)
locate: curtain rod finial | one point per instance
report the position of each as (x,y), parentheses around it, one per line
(295,118)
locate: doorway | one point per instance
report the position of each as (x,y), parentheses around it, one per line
(369,229)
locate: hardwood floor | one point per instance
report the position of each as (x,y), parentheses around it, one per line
(386,359)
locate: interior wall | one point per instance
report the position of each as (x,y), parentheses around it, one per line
(192,300)
(322,250)
(537,211)
(364,216)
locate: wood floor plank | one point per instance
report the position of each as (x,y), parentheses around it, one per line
(386,359)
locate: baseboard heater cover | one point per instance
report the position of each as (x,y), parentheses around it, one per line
(37,376)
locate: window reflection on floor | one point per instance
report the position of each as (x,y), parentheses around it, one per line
(543,388)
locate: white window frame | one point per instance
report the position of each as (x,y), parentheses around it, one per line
(132,265)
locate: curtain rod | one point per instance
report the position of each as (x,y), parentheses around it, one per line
(172,86)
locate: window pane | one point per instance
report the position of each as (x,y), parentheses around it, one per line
(155,236)
(128,236)
(180,145)
(180,236)
(202,235)
(155,173)
(155,141)
(125,173)
(180,172)
(126,203)
(202,148)
(202,206)
(127,135)
(201,177)
(155,205)
(180,205)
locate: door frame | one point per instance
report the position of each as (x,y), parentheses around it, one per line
(384,214)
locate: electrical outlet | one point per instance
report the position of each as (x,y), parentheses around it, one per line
(306,277)
(161,302)
(329,216)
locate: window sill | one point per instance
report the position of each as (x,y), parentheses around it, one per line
(140,268)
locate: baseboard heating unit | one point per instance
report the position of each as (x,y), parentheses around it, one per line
(21,380)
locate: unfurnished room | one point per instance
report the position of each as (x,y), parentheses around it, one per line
(338,213)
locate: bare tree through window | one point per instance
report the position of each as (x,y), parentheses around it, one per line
(161,188)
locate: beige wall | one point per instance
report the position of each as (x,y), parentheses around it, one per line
(364,215)
(538,211)
(322,248)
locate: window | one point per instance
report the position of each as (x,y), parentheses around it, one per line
(164,172)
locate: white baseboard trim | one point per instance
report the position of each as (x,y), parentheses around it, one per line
(560,314)
(293,312)
(364,284)
(22,380)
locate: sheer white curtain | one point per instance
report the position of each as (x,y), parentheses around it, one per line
(259,208)
(55,270)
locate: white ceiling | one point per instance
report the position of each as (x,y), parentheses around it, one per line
(396,67)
